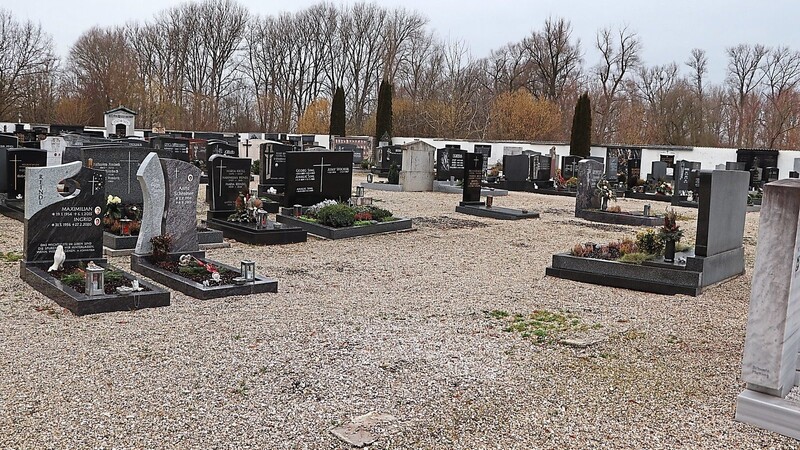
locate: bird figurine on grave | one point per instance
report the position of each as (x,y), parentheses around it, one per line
(58,259)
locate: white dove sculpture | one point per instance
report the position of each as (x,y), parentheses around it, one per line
(58,259)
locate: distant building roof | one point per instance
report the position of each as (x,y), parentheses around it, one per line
(121,108)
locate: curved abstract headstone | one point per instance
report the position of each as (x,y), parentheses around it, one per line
(151,180)
(180,216)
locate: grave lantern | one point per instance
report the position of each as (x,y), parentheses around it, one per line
(489,201)
(248,270)
(646,210)
(298,210)
(95,280)
(369,178)
(125,226)
(261,218)
(359,191)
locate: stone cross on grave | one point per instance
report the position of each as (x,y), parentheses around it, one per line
(322,167)
(130,161)
(94,182)
(476,162)
(15,161)
(221,166)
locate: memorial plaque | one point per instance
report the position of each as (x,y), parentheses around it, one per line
(17,160)
(120,165)
(73,221)
(312,177)
(228,176)
(473,175)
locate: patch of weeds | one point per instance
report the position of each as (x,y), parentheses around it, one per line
(636,258)
(241,389)
(597,326)
(498,314)
(11,256)
(237,337)
(543,326)
(682,247)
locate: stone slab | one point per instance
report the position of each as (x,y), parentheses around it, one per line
(768,412)
(649,197)
(719,267)
(596,215)
(249,234)
(346,232)
(80,304)
(383,187)
(496,212)
(141,265)
(444,186)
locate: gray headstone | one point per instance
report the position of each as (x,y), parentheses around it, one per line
(734,165)
(721,211)
(589,173)
(797,164)
(771,344)
(121,165)
(151,180)
(180,219)
(659,171)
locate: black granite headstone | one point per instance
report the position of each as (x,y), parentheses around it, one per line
(516,167)
(771,174)
(793,174)
(8,141)
(612,164)
(669,159)
(683,169)
(171,148)
(228,176)
(221,148)
(273,160)
(312,177)
(73,221)
(658,172)
(569,166)
(17,160)
(473,174)
(540,168)
(450,163)
(120,165)
(486,151)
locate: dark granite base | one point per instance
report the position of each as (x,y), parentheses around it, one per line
(249,234)
(542,187)
(648,197)
(141,265)
(347,232)
(80,304)
(114,242)
(596,215)
(658,280)
(653,276)
(684,203)
(11,211)
(495,212)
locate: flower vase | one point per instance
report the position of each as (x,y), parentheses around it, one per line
(603,204)
(669,251)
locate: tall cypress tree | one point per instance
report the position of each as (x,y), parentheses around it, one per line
(338,120)
(383,116)
(580,140)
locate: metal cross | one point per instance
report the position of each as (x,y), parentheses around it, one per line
(247,146)
(93,183)
(322,167)
(129,161)
(15,161)
(221,166)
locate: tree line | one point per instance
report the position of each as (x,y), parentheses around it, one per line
(212,65)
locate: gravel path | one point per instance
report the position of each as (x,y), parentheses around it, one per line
(396,324)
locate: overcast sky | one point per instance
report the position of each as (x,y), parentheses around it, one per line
(668,29)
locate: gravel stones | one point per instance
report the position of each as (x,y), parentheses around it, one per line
(395,324)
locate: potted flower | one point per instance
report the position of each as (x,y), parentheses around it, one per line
(605,192)
(669,234)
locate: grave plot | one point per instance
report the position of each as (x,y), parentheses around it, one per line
(771,399)
(594,193)
(658,187)
(318,189)
(471,200)
(656,262)
(167,249)
(240,215)
(63,257)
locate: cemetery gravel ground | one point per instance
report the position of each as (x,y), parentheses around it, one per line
(395,324)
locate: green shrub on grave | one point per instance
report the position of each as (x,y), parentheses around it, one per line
(337,216)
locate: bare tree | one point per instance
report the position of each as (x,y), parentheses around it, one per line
(781,69)
(744,80)
(619,52)
(27,53)
(555,57)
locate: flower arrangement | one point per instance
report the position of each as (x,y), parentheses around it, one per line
(664,188)
(246,205)
(671,231)
(189,265)
(604,190)
(114,207)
